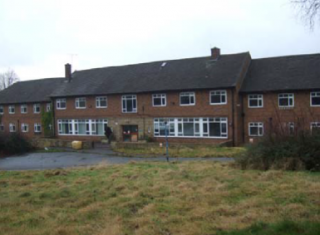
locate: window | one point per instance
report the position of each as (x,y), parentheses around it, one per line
(82,126)
(48,107)
(24,108)
(12,127)
(218,97)
(159,100)
(61,103)
(101,102)
(255,129)
(315,126)
(36,108)
(255,101)
(191,127)
(80,103)
(11,109)
(37,128)
(315,99)
(24,127)
(187,98)
(1,127)
(286,100)
(129,103)
(1,109)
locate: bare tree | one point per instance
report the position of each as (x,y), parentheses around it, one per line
(309,10)
(8,78)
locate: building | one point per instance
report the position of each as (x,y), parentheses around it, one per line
(216,99)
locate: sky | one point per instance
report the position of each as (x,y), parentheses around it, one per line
(38,37)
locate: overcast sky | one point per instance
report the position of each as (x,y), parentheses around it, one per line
(38,37)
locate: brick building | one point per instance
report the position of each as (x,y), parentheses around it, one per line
(214,99)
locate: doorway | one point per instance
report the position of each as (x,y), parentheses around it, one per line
(130,133)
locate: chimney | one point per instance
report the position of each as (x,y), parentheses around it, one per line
(215,53)
(68,72)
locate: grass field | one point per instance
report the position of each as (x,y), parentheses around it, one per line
(182,151)
(159,198)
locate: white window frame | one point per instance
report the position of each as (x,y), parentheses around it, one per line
(176,127)
(12,127)
(1,109)
(73,125)
(59,102)
(221,93)
(1,128)
(37,128)
(98,102)
(77,102)
(10,109)
(129,97)
(289,96)
(314,124)
(48,107)
(22,108)
(258,125)
(312,95)
(189,94)
(163,99)
(35,106)
(24,127)
(258,97)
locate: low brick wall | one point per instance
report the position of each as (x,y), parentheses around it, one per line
(135,145)
(50,142)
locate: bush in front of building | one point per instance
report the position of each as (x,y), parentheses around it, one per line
(14,143)
(287,152)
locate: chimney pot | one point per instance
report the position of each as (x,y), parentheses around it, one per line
(215,53)
(68,72)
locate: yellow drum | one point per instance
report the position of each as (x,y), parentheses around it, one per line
(76,144)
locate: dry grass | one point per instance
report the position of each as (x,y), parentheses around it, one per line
(153,198)
(182,151)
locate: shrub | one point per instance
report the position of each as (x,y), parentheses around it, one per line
(14,144)
(298,152)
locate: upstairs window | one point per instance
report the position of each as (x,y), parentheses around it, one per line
(11,109)
(255,101)
(187,98)
(1,109)
(24,108)
(101,102)
(81,103)
(24,127)
(159,100)
(129,103)
(36,108)
(315,99)
(256,129)
(61,103)
(48,107)
(12,127)
(37,128)
(286,100)
(218,97)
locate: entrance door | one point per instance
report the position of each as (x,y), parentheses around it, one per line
(130,133)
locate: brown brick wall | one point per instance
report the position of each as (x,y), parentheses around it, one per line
(272,115)
(18,118)
(146,113)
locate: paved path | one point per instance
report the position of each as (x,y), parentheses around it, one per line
(41,161)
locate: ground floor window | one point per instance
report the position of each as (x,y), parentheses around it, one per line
(191,127)
(12,127)
(82,126)
(256,129)
(315,127)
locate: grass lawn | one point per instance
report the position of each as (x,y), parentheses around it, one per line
(182,151)
(159,198)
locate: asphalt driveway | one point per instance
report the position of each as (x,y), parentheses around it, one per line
(41,161)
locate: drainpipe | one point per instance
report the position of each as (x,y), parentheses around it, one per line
(233,118)
(54,118)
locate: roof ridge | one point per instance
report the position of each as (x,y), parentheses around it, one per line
(40,79)
(286,56)
(157,61)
